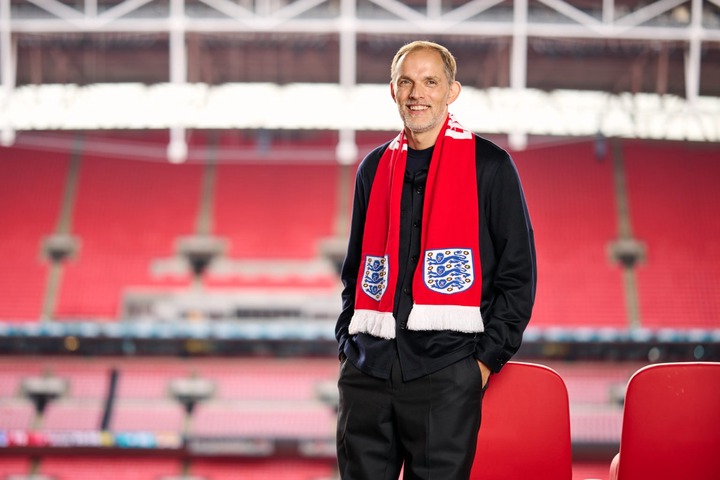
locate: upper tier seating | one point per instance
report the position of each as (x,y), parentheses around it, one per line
(572,209)
(30,201)
(127,214)
(674,199)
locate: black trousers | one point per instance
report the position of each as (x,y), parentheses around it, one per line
(427,426)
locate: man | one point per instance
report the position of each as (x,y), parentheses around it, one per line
(439,284)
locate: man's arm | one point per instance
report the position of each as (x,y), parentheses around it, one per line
(515,276)
(351,265)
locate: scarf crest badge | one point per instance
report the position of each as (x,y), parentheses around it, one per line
(449,271)
(375,278)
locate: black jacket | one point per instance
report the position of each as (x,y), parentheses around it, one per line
(507,255)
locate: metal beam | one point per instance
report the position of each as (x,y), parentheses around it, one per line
(347,149)
(232,10)
(58,9)
(465,20)
(122,9)
(648,12)
(7,66)
(693,56)
(477,29)
(177,148)
(401,10)
(469,10)
(518,64)
(571,12)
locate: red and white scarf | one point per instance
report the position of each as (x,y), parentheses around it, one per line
(447,284)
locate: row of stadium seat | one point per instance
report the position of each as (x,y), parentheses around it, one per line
(133,467)
(659,400)
(249,398)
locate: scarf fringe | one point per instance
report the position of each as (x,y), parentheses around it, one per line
(372,322)
(446,317)
(422,318)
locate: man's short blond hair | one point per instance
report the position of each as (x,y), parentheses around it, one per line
(447,57)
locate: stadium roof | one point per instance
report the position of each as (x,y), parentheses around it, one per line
(550,67)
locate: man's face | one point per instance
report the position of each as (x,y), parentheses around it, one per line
(422,91)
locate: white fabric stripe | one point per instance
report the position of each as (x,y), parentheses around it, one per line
(446,317)
(372,322)
(422,318)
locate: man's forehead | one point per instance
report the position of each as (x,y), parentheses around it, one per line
(430,66)
(428,53)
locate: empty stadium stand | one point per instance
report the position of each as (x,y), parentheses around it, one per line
(259,408)
(127,213)
(73,416)
(272,216)
(571,201)
(116,468)
(155,416)
(16,414)
(264,470)
(29,209)
(264,419)
(14,465)
(673,199)
(275,211)
(248,380)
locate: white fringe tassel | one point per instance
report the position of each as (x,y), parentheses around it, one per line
(446,317)
(377,324)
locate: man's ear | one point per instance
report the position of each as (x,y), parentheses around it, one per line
(392,91)
(455,89)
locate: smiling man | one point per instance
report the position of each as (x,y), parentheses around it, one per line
(439,284)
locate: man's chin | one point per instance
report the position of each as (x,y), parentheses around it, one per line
(416,127)
(419,129)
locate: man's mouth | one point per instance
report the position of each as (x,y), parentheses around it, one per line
(417,108)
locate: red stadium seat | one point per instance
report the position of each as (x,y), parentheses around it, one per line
(671,424)
(263,469)
(16,414)
(122,467)
(13,465)
(525,430)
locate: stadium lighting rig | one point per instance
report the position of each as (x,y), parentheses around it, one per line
(181,107)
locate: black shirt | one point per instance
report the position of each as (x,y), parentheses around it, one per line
(508,263)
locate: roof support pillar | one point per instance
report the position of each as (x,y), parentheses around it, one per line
(177,148)
(7,66)
(518,64)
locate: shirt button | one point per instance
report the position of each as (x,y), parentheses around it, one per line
(416,224)
(419,190)
(414,258)
(406,290)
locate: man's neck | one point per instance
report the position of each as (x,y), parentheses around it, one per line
(421,141)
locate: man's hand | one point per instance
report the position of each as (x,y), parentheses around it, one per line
(485,372)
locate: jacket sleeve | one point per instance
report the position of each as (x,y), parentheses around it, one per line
(351,264)
(513,279)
